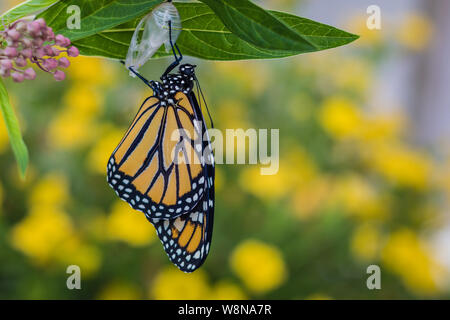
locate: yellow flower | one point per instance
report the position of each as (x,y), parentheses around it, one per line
(129,225)
(359,198)
(225,290)
(296,169)
(102,150)
(365,242)
(368,37)
(172,284)
(402,166)
(259,265)
(51,191)
(71,129)
(380,129)
(92,71)
(84,100)
(4,138)
(415,32)
(353,74)
(75,252)
(41,233)
(120,290)
(340,117)
(266,187)
(407,256)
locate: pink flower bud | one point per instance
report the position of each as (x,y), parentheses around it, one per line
(27,43)
(59,75)
(21,62)
(41,22)
(21,26)
(30,74)
(50,64)
(64,62)
(27,53)
(48,50)
(60,40)
(39,53)
(11,52)
(6,64)
(50,34)
(34,28)
(18,77)
(55,52)
(73,52)
(14,34)
(38,42)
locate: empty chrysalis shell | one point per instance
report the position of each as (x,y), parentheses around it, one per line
(151,33)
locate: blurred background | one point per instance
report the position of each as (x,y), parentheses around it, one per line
(364,172)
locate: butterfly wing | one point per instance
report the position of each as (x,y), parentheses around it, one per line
(156,168)
(187,239)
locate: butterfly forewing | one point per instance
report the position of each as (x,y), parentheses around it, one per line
(157,167)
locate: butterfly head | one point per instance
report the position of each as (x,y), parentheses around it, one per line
(187,70)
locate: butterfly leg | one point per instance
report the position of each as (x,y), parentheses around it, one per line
(178,57)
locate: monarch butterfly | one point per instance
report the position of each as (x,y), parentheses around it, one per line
(164,165)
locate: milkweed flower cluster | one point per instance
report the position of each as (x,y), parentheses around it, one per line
(33,41)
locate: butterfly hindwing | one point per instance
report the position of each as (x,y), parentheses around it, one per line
(187,239)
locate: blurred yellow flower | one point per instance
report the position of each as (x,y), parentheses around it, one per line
(92,71)
(352,74)
(266,187)
(41,233)
(340,117)
(129,225)
(4,138)
(401,165)
(102,150)
(52,190)
(359,198)
(259,265)
(119,290)
(409,257)
(382,128)
(172,284)
(295,169)
(71,129)
(415,32)
(368,37)
(225,290)
(75,252)
(366,242)
(83,100)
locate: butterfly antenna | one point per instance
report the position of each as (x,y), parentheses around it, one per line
(200,93)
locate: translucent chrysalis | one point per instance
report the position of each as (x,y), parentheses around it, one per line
(151,33)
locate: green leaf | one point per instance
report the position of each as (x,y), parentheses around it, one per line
(258,26)
(12,125)
(96,16)
(25,9)
(205,36)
